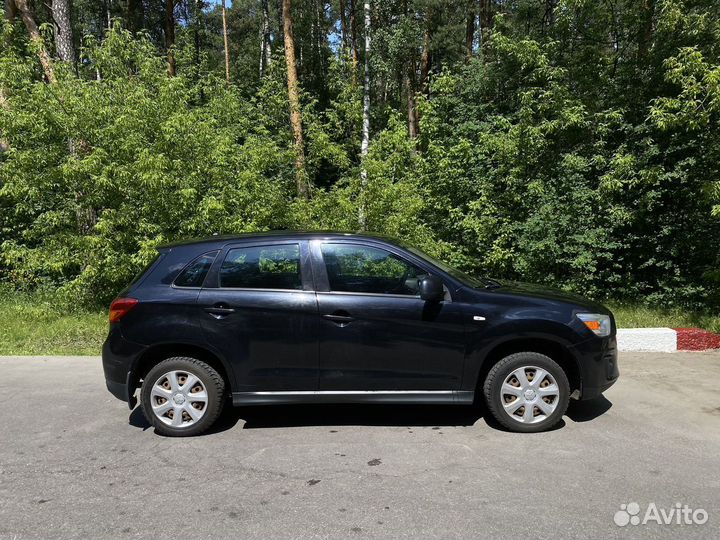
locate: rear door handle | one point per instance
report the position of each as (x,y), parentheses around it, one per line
(220,311)
(339,317)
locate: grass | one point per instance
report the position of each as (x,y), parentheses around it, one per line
(35,324)
(634,316)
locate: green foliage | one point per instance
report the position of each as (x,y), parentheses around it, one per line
(583,153)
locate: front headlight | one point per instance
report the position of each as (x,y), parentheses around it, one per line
(598,323)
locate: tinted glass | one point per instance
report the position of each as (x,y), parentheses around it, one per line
(195,272)
(147,267)
(263,267)
(354,268)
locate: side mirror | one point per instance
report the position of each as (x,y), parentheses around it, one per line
(431,289)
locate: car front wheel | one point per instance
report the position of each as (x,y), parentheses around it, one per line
(527,392)
(182,396)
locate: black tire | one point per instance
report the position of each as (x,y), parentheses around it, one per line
(492,389)
(212,382)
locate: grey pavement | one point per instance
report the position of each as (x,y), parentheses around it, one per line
(75,463)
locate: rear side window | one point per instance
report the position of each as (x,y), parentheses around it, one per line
(262,267)
(194,273)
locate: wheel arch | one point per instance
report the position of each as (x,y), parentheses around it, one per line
(550,347)
(157,353)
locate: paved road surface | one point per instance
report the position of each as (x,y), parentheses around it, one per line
(74,463)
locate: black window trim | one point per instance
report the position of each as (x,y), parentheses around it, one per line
(323,280)
(184,287)
(302,252)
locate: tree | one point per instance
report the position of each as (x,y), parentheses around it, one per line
(170,36)
(10,10)
(353,37)
(265,49)
(365,145)
(226,49)
(470,28)
(63,30)
(303,189)
(29,19)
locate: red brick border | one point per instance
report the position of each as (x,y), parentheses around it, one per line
(696,339)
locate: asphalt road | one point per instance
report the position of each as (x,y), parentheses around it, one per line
(75,463)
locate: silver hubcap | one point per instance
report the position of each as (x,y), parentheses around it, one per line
(529,395)
(179,399)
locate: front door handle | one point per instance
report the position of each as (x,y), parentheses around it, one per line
(341,318)
(220,311)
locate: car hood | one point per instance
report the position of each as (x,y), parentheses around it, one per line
(518,288)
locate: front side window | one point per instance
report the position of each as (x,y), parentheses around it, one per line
(262,267)
(194,273)
(365,269)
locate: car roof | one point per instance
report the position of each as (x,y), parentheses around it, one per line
(222,239)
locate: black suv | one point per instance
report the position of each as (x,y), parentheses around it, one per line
(290,317)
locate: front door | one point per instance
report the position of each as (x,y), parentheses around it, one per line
(376,333)
(261,313)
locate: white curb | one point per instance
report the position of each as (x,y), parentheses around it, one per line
(647,339)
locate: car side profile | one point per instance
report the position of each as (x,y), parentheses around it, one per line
(319,317)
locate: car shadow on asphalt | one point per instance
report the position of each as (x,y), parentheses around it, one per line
(585,411)
(300,415)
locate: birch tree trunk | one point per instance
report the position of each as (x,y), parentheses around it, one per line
(365,144)
(265,50)
(303,190)
(225,43)
(32,28)
(63,30)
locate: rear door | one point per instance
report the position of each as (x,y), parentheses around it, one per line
(260,311)
(376,333)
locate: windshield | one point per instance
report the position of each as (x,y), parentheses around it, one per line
(454,272)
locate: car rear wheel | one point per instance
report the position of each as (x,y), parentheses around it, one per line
(527,392)
(182,396)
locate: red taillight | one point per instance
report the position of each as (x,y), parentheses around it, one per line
(120,307)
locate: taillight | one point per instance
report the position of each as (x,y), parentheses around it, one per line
(120,307)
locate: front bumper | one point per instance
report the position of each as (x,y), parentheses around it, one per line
(598,365)
(118,357)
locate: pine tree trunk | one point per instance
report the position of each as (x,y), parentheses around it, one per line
(353,38)
(470,29)
(413,127)
(225,42)
(135,15)
(303,190)
(486,20)
(365,144)
(36,38)
(425,58)
(197,14)
(10,10)
(647,12)
(344,27)
(170,35)
(265,39)
(63,30)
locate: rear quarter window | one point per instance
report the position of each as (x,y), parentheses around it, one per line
(193,275)
(145,269)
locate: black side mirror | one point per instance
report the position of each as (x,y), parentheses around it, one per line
(431,289)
